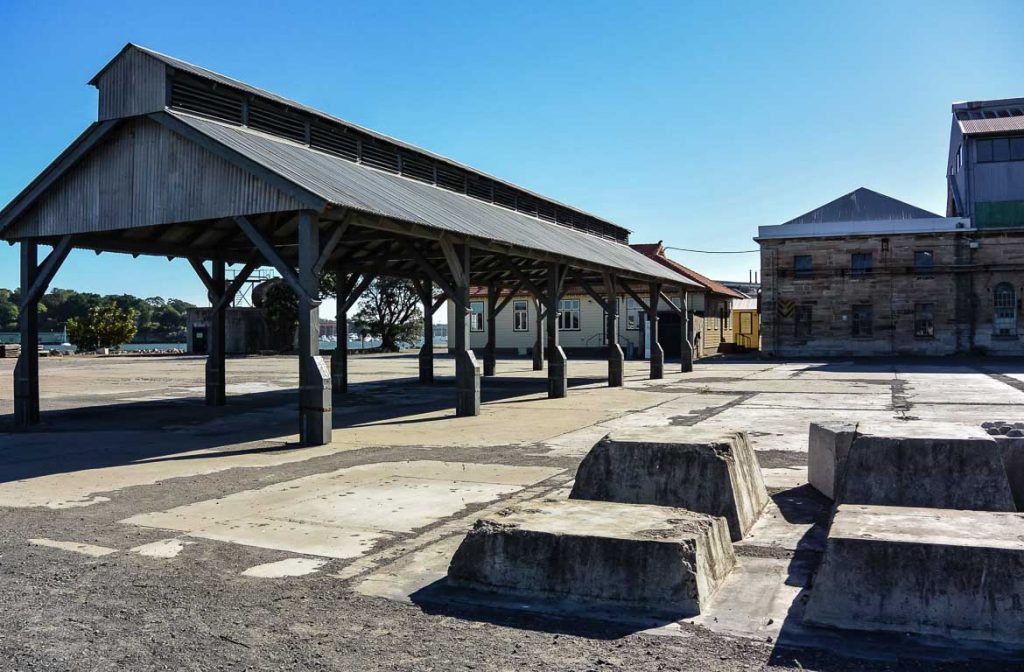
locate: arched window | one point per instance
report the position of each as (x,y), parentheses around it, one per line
(1004,302)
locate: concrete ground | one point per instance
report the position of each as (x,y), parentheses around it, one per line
(141,530)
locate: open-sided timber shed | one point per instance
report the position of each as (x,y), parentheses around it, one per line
(184,162)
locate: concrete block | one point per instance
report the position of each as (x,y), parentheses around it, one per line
(950,573)
(936,465)
(707,471)
(662,560)
(828,445)
(1010,437)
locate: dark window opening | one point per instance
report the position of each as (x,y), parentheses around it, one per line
(861,321)
(924,262)
(803,266)
(861,263)
(924,320)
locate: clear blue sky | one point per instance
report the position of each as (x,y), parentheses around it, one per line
(692,123)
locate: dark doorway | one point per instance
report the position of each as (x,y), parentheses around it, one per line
(669,333)
(199,342)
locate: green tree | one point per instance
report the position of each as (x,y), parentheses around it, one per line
(106,326)
(390,310)
(281,309)
(8,311)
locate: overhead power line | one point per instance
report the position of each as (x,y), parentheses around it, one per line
(686,249)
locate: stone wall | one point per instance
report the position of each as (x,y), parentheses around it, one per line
(968,265)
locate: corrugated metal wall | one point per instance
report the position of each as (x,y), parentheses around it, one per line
(147,175)
(133,84)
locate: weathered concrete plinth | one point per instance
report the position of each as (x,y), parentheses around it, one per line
(828,446)
(1010,437)
(662,560)
(926,571)
(935,465)
(707,471)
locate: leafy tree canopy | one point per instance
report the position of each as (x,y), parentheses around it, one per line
(390,310)
(106,326)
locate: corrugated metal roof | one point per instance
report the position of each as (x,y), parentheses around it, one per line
(224,80)
(863,205)
(365,189)
(996,125)
(656,251)
(744,304)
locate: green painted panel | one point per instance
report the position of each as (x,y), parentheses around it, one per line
(999,214)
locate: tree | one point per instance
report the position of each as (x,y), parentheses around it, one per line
(8,311)
(281,309)
(390,309)
(106,326)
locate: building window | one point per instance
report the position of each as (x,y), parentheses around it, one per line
(924,320)
(802,324)
(802,266)
(476,316)
(924,262)
(1004,318)
(1000,149)
(861,322)
(520,315)
(860,263)
(569,315)
(632,315)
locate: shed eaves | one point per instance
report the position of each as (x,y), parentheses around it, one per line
(996,125)
(365,189)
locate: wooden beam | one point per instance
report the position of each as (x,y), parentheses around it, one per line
(676,309)
(589,289)
(270,253)
(431,271)
(237,282)
(327,249)
(511,295)
(452,258)
(204,276)
(44,274)
(636,297)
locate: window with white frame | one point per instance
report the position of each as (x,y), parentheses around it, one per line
(569,315)
(633,312)
(520,315)
(476,316)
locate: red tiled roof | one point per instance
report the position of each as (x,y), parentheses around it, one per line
(656,251)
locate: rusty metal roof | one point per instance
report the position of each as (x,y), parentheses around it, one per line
(365,189)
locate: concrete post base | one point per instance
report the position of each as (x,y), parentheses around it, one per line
(707,471)
(686,358)
(828,446)
(657,362)
(426,361)
(616,364)
(558,373)
(665,561)
(315,414)
(467,382)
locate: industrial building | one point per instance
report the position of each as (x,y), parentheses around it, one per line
(583,322)
(867,274)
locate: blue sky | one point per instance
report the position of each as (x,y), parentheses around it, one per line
(691,123)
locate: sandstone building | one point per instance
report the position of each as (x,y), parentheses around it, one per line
(867,274)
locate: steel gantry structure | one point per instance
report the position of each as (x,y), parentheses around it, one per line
(183,162)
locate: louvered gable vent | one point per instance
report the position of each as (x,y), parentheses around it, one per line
(218,101)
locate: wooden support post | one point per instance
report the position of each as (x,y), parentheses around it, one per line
(615,357)
(216,378)
(26,371)
(538,344)
(685,349)
(426,354)
(490,356)
(339,358)
(657,353)
(467,370)
(315,408)
(558,380)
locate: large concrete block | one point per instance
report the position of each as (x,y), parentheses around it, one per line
(712,472)
(828,446)
(937,465)
(927,571)
(1010,437)
(662,560)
